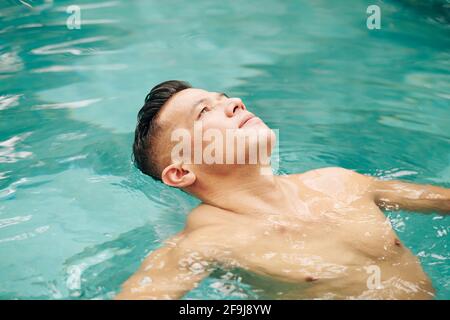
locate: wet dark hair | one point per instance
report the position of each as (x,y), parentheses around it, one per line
(147,128)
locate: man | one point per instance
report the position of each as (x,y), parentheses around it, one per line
(319,234)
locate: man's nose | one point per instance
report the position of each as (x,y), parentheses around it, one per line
(233,106)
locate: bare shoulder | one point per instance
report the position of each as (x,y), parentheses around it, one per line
(328,172)
(206,230)
(333,179)
(199,221)
(203,216)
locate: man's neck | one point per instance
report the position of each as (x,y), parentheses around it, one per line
(243,190)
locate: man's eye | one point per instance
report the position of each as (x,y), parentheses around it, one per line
(205,109)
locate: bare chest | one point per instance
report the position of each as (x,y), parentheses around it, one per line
(332,243)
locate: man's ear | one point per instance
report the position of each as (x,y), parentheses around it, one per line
(175,175)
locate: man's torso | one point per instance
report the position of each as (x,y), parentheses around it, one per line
(336,243)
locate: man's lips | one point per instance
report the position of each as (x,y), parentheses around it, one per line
(245,120)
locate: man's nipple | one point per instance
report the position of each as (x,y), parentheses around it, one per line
(311,278)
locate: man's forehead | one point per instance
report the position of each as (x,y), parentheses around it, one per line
(188,97)
(181,102)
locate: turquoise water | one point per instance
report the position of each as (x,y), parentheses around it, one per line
(76,218)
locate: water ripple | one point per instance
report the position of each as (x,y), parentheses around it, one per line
(67,105)
(65,47)
(9,101)
(26,235)
(59,68)
(8,152)
(10,62)
(90,6)
(14,220)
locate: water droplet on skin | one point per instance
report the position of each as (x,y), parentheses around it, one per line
(145,281)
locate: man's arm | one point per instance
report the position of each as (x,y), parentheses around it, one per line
(396,194)
(167,273)
(391,194)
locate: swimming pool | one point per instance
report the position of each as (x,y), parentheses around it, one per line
(76,219)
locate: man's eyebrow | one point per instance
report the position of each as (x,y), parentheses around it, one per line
(198,102)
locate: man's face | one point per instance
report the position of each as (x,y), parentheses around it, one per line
(193,108)
(212,109)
